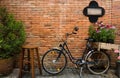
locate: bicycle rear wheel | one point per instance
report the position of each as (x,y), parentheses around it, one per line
(54,61)
(98,62)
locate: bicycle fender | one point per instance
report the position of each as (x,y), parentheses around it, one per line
(56,48)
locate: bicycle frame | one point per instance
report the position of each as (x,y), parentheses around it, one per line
(64,48)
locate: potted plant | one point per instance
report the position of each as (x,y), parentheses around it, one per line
(102,32)
(118,63)
(12,36)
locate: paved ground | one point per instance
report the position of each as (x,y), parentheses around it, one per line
(67,73)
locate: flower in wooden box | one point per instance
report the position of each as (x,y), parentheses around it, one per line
(117,51)
(101,32)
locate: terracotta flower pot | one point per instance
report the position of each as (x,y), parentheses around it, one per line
(118,69)
(6,66)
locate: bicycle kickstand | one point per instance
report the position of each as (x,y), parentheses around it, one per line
(81,69)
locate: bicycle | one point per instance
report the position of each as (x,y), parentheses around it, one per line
(54,60)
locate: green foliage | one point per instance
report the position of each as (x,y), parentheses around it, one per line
(101,32)
(12,34)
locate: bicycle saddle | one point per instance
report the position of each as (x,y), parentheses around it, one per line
(90,39)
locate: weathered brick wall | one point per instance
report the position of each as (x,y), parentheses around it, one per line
(47,21)
(115,19)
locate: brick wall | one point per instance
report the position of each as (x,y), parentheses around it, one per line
(47,21)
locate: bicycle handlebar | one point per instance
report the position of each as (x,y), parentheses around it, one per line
(73,32)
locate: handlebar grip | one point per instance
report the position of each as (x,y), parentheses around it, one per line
(74,32)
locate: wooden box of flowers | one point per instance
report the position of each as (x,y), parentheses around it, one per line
(103,35)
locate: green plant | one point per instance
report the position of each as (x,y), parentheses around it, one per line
(102,32)
(12,34)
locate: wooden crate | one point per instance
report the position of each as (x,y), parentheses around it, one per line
(107,46)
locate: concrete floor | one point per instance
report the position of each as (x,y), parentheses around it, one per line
(67,73)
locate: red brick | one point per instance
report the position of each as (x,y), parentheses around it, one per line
(47,21)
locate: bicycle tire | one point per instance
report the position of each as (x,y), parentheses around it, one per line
(51,64)
(98,62)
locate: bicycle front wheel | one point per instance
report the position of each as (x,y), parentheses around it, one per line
(54,61)
(98,62)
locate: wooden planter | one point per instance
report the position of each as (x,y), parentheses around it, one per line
(106,46)
(6,66)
